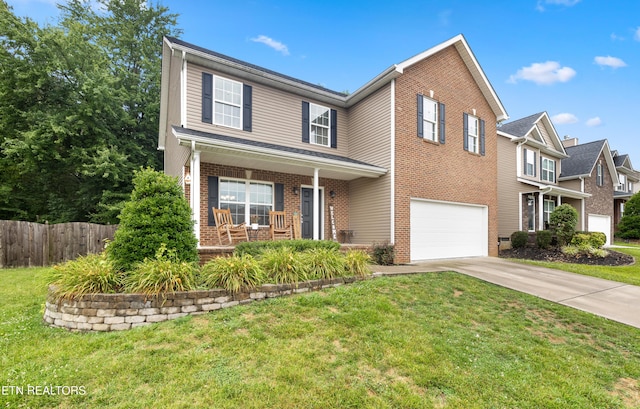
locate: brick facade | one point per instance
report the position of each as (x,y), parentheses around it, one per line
(442,171)
(601,200)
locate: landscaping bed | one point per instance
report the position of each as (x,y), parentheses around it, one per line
(613,258)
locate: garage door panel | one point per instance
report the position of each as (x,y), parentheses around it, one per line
(600,223)
(447,230)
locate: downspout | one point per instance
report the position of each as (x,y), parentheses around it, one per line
(583,206)
(392,139)
(183,90)
(195,189)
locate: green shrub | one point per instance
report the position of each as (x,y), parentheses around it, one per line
(91,274)
(323,263)
(629,226)
(283,266)
(570,250)
(598,252)
(597,239)
(156,213)
(357,263)
(593,239)
(580,238)
(233,273)
(519,239)
(256,248)
(563,221)
(383,253)
(543,239)
(163,274)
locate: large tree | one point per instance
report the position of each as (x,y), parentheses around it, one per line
(79,106)
(629,226)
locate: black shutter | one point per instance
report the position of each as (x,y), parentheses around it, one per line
(207,98)
(420,117)
(334,128)
(246,107)
(482,137)
(442,125)
(279,196)
(465,131)
(305,122)
(535,165)
(212,182)
(524,154)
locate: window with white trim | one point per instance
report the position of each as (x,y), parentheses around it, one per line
(529,162)
(319,123)
(473,134)
(430,119)
(548,207)
(599,175)
(227,97)
(622,183)
(245,199)
(548,172)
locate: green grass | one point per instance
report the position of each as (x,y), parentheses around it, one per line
(439,340)
(624,274)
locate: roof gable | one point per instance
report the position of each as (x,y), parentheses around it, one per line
(583,158)
(537,128)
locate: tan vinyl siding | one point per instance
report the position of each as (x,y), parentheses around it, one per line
(545,135)
(276,116)
(175,156)
(508,188)
(370,199)
(573,184)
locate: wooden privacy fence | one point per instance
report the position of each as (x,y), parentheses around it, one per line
(27,244)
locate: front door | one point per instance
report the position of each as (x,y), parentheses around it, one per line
(307,212)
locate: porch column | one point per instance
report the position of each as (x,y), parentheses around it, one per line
(540,211)
(559,202)
(195,192)
(316,206)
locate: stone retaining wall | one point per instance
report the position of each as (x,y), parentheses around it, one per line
(117,312)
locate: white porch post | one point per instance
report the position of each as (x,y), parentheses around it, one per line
(540,211)
(559,202)
(195,192)
(316,206)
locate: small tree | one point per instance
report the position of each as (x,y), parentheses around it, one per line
(629,226)
(157,213)
(563,221)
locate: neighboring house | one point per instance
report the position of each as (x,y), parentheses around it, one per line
(590,169)
(628,178)
(530,161)
(409,158)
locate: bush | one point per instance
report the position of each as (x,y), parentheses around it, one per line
(283,265)
(593,239)
(357,263)
(519,239)
(162,274)
(543,239)
(570,250)
(256,248)
(598,252)
(323,263)
(233,273)
(629,226)
(384,253)
(563,221)
(156,213)
(91,274)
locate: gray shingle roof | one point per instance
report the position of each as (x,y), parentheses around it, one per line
(249,65)
(521,126)
(248,142)
(582,158)
(619,159)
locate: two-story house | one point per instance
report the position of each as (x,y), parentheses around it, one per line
(530,157)
(409,158)
(628,178)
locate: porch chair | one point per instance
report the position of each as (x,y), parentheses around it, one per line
(226,228)
(296,226)
(278,226)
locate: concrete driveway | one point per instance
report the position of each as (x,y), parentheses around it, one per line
(616,301)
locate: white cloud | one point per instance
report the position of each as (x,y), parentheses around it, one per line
(636,34)
(564,119)
(545,73)
(596,121)
(610,61)
(566,3)
(270,42)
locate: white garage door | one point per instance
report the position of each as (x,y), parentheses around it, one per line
(447,230)
(601,224)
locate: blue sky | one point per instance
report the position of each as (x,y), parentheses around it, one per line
(578,60)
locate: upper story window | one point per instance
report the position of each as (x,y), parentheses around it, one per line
(599,175)
(622,183)
(529,162)
(473,134)
(548,172)
(226,102)
(320,122)
(430,119)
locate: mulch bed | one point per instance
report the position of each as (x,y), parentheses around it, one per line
(533,253)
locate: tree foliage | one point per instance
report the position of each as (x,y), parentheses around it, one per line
(563,221)
(629,226)
(79,107)
(157,215)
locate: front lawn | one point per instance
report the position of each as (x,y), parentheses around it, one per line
(625,274)
(439,340)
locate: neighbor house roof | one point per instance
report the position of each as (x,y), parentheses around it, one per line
(527,129)
(520,127)
(583,158)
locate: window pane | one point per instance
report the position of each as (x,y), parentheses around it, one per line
(429,110)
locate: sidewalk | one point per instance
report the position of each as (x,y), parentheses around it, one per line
(613,300)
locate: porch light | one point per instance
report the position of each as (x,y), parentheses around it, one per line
(295,190)
(332,194)
(187,179)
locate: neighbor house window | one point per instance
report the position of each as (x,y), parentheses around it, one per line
(320,119)
(548,172)
(227,102)
(549,207)
(473,134)
(430,119)
(529,162)
(599,175)
(245,199)
(622,183)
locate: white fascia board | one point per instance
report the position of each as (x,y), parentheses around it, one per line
(164,92)
(370,87)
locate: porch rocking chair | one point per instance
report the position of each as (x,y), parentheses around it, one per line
(278,226)
(226,228)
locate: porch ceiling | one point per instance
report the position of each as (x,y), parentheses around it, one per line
(232,151)
(555,190)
